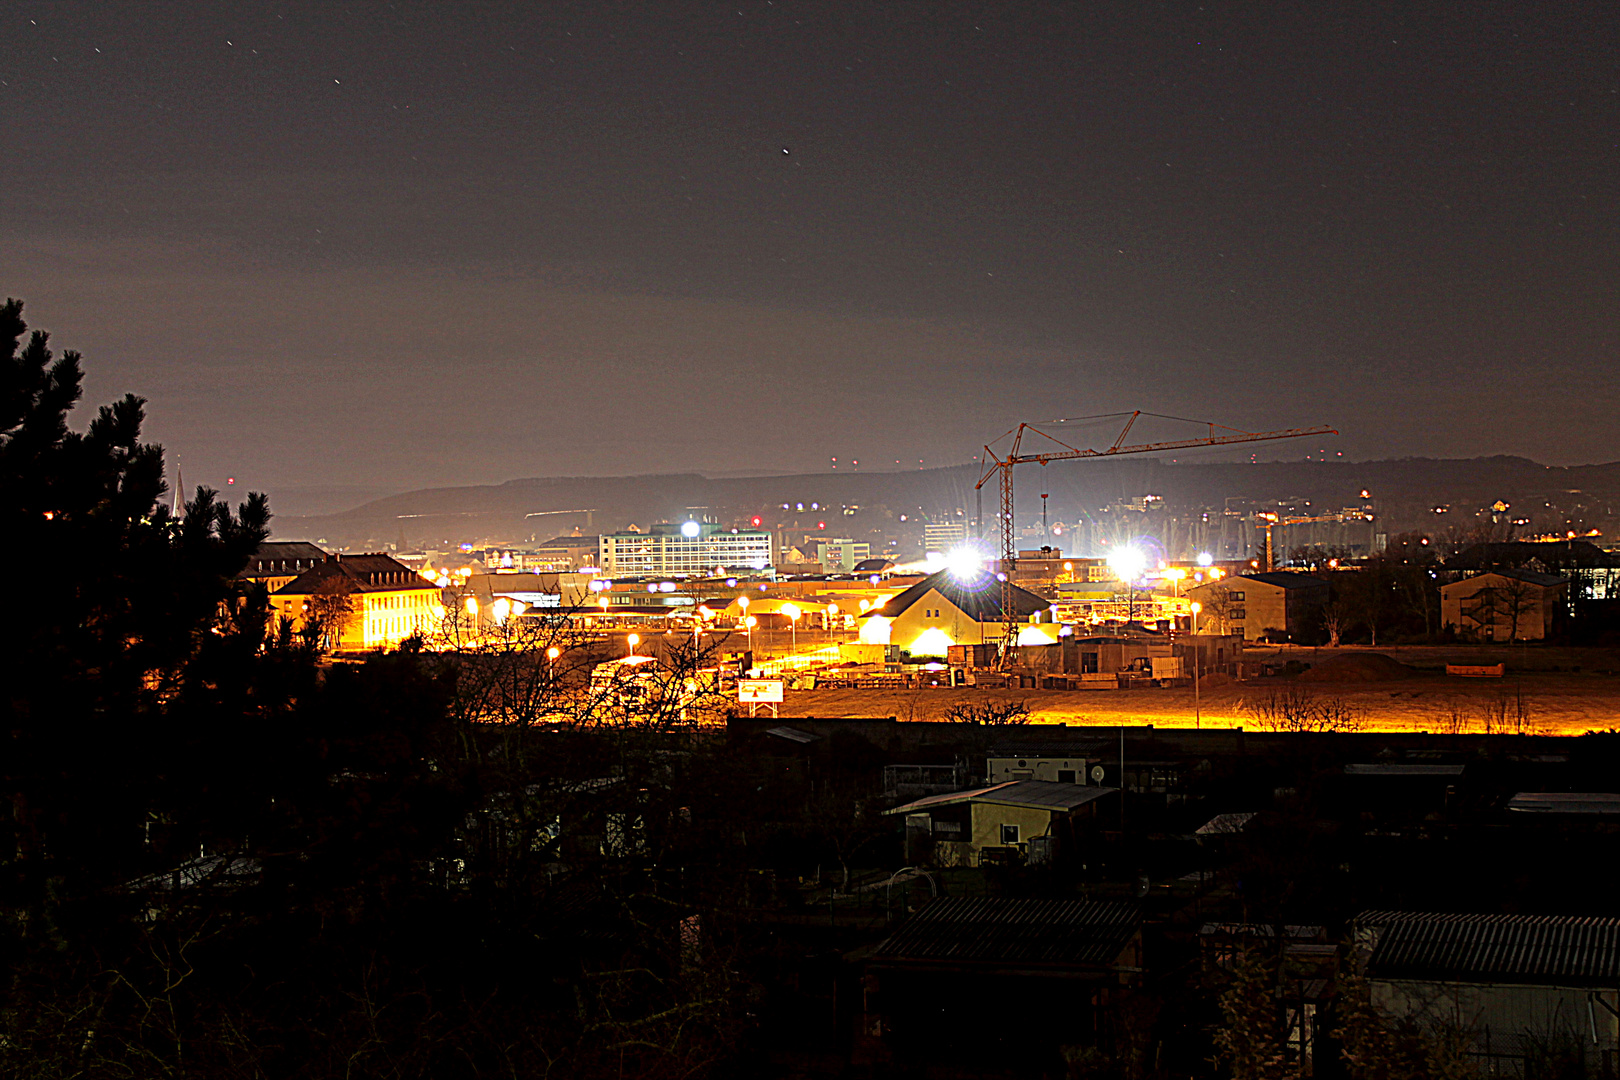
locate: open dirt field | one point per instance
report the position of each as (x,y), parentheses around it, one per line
(1563,692)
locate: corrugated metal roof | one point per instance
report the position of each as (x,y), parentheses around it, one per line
(1505,948)
(1565,802)
(1404,769)
(946,799)
(1224,824)
(1292,931)
(1036,794)
(986,931)
(792,734)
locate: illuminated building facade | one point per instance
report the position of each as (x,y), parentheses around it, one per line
(940,537)
(1503,605)
(369,601)
(949,608)
(841,556)
(1270,606)
(688,548)
(563,553)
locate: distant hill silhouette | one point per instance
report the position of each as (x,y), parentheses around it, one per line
(1403,490)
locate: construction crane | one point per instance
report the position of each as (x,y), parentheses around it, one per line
(1270,521)
(1014,455)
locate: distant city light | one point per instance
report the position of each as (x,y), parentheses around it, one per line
(963,562)
(1128,563)
(1205,559)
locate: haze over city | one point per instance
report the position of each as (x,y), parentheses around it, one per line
(401,247)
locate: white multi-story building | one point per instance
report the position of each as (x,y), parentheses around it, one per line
(691,547)
(940,537)
(841,556)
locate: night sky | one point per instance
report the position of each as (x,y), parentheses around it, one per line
(410,244)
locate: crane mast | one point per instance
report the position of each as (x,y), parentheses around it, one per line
(1014,455)
(1272,520)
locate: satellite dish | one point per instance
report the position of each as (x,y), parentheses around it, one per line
(1097,773)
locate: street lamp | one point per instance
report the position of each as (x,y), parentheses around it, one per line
(749,623)
(792,612)
(1198,655)
(551,662)
(633,640)
(832,614)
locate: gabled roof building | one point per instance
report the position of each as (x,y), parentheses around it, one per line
(275,563)
(1013,820)
(1273,606)
(1504,605)
(949,608)
(363,602)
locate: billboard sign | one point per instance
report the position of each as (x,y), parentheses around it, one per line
(760,691)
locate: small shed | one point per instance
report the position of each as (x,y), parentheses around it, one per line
(1018,819)
(1521,987)
(1000,983)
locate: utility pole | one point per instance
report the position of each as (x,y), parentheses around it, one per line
(1122,783)
(1198,662)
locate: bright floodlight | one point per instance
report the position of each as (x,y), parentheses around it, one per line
(1128,563)
(963,562)
(1205,558)
(691,528)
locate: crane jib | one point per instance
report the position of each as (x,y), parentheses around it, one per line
(1004,465)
